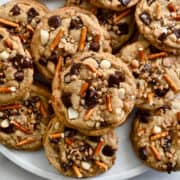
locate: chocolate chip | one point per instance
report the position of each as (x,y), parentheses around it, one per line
(91,98)
(76,23)
(54,21)
(27,63)
(108,151)
(15,10)
(43,61)
(145,18)
(125,2)
(35,99)
(167,143)
(143,115)
(8,130)
(123,28)
(150,2)
(66,166)
(50,109)
(94,46)
(170,167)
(115,79)
(103,15)
(162,37)
(53,58)
(94,138)
(32,13)
(161,92)
(153,49)
(75,69)
(66,99)
(143,153)
(177,33)
(19,75)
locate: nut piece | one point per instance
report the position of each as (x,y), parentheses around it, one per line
(44,36)
(5,123)
(85,165)
(4,55)
(105,64)
(73,114)
(156,130)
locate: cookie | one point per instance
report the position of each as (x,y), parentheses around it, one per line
(76,155)
(94,94)
(120,25)
(65,32)
(23,123)
(21,17)
(156,73)
(158,21)
(16,68)
(155,137)
(116,5)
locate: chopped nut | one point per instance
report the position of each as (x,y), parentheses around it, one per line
(44,36)
(73,114)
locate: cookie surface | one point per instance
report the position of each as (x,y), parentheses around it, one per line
(155,137)
(120,25)
(156,73)
(158,21)
(94,94)
(117,5)
(76,155)
(23,123)
(16,68)
(21,17)
(66,31)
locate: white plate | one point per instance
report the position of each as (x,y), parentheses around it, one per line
(127,165)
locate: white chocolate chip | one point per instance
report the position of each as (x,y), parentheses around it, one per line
(73,114)
(118,110)
(44,36)
(4,55)
(121,93)
(51,67)
(156,129)
(85,165)
(105,64)
(5,123)
(91,61)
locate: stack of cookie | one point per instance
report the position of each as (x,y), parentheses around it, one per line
(95,81)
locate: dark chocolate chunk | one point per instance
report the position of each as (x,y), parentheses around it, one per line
(145,18)
(167,143)
(43,61)
(108,151)
(103,15)
(162,37)
(8,130)
(161,92)
(15,10)
(91,98)
(170,167)
(143,153)
(94,138)
(19,75)
(75,69)
(66,99)
(154,49)
(66,166)
(150,2)
(125,2)
(76,23)
(123,28)
(53,58)
(54,21)
(116,78)
(35,99)
(177,33)
(143,115)
(27,63)
(32,13)
(94,46)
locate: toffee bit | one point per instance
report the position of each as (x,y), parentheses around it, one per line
(171,7)
(57,39)
(9,107)
(88,114)
(77,171)
(7,89)
(82,41)
(159,135)
(43,110)
(102,165)
(171,83)
(108,103)
(26,141)
(155,153)
(9,23)
(141,54)
(98,148)
(83,89)
(120,16)
(157,55)
(20,127)
(56,135)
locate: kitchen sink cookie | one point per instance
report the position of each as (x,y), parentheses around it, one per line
(156,73)
(23,123)
(117,5)
(120,25)
(65,32)
(21,17)
(16,68)
(159,22)
(76,155)
(94,94)
(155,137)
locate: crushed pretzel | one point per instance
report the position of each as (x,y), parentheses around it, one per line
(56,135)
(77,171)
(8,43)
(20,127)
(7,89)
(108,103)
(88,114)
(83,89)
(93,69)
(157,55)
(26,141)
(9,107)
(171,7)
(141,54)
(150,96)
(120,16)
(155,152)
(82,41)
(102,165)
(159,135)
(57,39)
(171,83)
(98,148)
(43,110)
(9,23)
